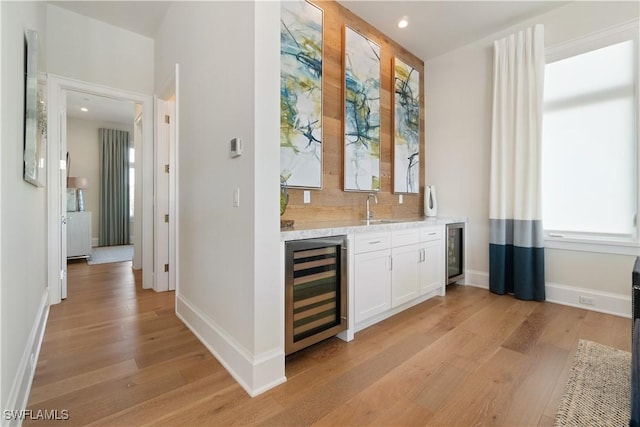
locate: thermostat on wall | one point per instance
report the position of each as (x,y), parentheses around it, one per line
(236,147)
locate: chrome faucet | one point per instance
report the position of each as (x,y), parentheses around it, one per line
(375,199)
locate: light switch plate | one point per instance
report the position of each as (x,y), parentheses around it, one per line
(307,196)
(400,199)
(236,197)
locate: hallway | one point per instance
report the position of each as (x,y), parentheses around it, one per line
(113,345)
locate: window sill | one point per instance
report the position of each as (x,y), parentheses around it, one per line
(629,247)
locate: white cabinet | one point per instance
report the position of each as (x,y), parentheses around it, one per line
(406,257)
(372,284)
(405,274)
(78,234)
(396,269)
(432,266)
(372,275)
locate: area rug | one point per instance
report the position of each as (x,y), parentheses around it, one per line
(598,390)
(107,254)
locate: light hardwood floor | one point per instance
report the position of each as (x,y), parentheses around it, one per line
(116,355)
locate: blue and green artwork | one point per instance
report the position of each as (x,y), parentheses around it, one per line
(406,141)
(362,113)
(301,94)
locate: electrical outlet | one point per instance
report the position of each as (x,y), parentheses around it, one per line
(32,362)
(400,199)
(587,300)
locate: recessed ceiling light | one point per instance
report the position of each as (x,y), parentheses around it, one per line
(402,23)
(84,109)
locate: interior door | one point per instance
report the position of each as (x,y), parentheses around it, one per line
(63,194)
(161,208)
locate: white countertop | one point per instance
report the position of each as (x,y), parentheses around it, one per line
(309,230)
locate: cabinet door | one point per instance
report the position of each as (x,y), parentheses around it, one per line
(405,274)
(372,284)
(78,233)
(432,267)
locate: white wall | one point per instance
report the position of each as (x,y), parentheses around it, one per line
(89,50)
(83,145)
(229,288)
(458,94)
(22,211)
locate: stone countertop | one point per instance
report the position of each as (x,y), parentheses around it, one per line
(309,230)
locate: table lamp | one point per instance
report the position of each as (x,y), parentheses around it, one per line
(79,184)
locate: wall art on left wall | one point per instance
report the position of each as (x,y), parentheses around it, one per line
(35,115)
(301,94)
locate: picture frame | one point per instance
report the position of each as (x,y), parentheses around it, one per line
(361,125)
(301,92)
(35,115)
(406,128)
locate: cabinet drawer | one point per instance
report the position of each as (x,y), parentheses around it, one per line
(372,242)
(405,237)
(431,233)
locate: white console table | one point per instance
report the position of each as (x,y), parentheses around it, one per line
(78,234)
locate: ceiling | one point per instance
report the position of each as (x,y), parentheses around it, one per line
(99,108)
(435,27)
(142,17)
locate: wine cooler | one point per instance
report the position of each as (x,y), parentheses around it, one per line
(315,291)
(455,252)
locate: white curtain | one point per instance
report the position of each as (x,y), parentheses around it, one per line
(516,252)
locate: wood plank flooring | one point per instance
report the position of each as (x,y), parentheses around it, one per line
(116,355)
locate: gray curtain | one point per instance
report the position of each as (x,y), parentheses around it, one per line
(114,187)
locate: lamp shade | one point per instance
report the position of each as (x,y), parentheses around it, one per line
(77,182)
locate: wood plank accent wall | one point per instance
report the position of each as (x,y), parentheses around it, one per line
(332,203)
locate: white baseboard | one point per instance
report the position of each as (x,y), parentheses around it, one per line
(603,302)
(19,393)
(256,374)
(478,279)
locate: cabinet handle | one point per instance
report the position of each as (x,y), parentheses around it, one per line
(433,234)
(419,256)
(374,242)
(390,263)
(424,255)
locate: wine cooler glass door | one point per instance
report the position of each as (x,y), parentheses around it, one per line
(455,252)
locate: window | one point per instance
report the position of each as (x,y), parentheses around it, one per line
(590,146)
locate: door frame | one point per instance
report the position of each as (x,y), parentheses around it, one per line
(56,162)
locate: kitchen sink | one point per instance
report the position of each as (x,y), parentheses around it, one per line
(379,221)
